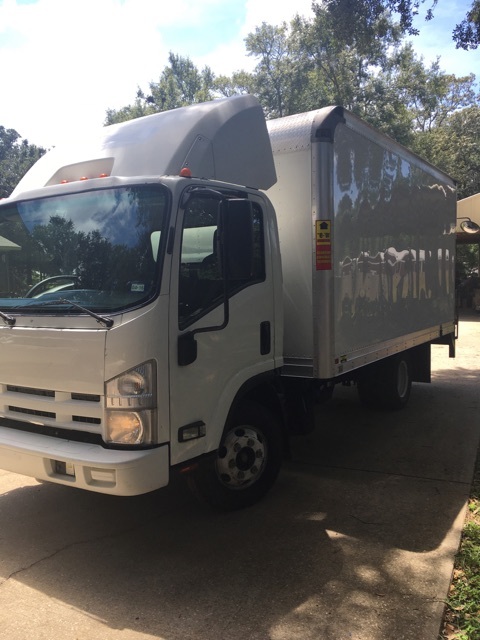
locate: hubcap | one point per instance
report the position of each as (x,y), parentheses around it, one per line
(402,379)
(241,458)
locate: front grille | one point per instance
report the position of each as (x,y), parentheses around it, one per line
(50,408)
(86,420)
(85,397)
(33,412)
(29,391)
(54,432)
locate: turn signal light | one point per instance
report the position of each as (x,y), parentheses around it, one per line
(101,175)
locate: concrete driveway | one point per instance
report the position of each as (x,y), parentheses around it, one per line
(355,542)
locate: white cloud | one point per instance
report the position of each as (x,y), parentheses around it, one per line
(274,12)
(64,62)
(232,56)
(67,62)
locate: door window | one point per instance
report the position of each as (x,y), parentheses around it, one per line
(201,284)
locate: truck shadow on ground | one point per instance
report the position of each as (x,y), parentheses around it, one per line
(308,562)
(167,567)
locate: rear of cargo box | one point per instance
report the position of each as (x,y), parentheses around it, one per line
(367,241)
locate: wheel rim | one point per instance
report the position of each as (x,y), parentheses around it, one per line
(241,458)
(403,379)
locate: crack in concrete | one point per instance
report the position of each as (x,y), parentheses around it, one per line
(77,543)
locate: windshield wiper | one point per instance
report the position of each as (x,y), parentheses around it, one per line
(10,320)
(105,320)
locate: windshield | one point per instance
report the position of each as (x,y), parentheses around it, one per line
(101,249)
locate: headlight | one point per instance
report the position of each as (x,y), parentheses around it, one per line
(131,403)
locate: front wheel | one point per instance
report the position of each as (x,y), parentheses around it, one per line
(246,463)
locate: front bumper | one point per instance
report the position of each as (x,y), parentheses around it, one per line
(82,465)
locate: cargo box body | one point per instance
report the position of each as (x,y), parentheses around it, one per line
(367,243)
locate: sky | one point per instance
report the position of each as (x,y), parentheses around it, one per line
(65,62)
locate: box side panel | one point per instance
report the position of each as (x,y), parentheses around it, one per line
(323,238)
(291,197)
(394,247)
(367,241)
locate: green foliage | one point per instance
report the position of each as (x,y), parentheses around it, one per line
(467,33)
(365,67)
(467,260)
(16,157)
(358,16)
(141,107)
(180,84)
(282,71)
(462,614)
(430,94)
(238,83)
(455,147)
(312,63)
(307,65)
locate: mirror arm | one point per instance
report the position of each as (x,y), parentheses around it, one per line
(187,345)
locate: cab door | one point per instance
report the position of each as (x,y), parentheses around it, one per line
(215,347)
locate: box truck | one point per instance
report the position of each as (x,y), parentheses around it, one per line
(178,291)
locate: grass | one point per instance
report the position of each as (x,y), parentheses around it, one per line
(462,611)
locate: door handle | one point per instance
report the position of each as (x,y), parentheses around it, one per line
(265,338)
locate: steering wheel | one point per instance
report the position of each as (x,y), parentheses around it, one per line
(52,284)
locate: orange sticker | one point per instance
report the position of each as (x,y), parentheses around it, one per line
(323,245)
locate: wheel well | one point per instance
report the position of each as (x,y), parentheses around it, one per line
(420,358)
(420,363)
(263,390)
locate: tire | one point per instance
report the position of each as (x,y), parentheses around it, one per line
(247,461)
(387,385)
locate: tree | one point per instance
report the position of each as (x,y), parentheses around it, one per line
(432,94)
(143,106)
(467,260)
(180,84)
(16,157)
(238,83)
(353,16)
(423,96)
(455,147)
(345,69)
(309,64)
(467,33)
(282,72)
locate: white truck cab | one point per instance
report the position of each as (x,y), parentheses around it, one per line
(157,312)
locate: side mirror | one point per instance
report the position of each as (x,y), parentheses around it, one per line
(186,349)
(236,239)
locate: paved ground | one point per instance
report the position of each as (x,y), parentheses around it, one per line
(355,542)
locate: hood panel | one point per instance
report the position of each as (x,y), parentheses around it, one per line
(60,359)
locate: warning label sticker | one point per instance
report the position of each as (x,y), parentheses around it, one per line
(323,245)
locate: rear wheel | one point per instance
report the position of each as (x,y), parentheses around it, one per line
(247,461)
(387,385)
